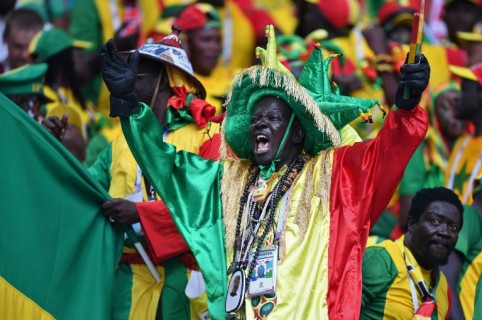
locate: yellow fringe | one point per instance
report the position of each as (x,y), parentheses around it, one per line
(324,186)
(233,182)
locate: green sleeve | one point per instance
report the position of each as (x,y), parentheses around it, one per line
(378,272)
(414,175)
(85,23)
(190,187)
(100,170)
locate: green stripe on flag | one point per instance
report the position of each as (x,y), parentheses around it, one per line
(55,246)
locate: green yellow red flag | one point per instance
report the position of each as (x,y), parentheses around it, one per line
(58,253)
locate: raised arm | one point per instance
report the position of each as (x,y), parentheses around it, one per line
(188,184)
(373,169)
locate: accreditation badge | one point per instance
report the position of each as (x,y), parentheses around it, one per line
(236,291)
(263,277)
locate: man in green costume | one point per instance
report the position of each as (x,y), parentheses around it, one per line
(285,196)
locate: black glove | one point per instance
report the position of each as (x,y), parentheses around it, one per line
(414,76)
(120,78)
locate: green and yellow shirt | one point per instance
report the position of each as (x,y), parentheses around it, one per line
(386,285)
(469,245)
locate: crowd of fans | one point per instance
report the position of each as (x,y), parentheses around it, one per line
(183,57)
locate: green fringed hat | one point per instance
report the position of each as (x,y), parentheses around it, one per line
(320,111)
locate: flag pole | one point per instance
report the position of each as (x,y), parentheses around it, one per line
(415,40)
(131,234)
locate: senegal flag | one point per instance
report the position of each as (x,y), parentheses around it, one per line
(57,252)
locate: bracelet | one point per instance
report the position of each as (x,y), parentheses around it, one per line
(382,57)
(384,67)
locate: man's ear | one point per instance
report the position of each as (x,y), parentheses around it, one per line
(298,135)
(410,223)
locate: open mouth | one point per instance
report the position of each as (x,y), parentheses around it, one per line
(262,144)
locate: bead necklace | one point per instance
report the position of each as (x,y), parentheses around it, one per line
(270,204)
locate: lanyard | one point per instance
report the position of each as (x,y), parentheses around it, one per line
(413,291)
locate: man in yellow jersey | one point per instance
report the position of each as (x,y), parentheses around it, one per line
(401,279)
(465,162)
(163,79)
(465,263)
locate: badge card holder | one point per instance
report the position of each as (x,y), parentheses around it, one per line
(263,277)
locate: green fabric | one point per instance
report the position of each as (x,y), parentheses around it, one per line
(28,79)
(416,175)
(469,243)
(385,224)
(47,9)
(478,300)
(57,248)
(100,169)
(178,118)
(197,213)
(94,147)
(175,303)
(379,272)
(122,292)
(85,23)
(53,41)
(340,109)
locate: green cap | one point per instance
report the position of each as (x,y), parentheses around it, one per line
(48,43)
(28,79)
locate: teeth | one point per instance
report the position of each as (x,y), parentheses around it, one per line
(260,137)
(262,143)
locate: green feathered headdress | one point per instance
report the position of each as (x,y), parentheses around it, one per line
(320,110)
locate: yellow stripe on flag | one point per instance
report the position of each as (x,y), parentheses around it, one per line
(15,305)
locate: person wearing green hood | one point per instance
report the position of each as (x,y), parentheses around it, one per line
(286,207)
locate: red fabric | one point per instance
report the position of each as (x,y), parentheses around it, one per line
(178,100)
(477,70)
(201,110)
(348,67)
(257,17)
(135,258)
(364,178)
(336,12)
(219,118)
(390,8)
(210,148)
(426,310)
(191,18)
(456,57)
(160,230)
